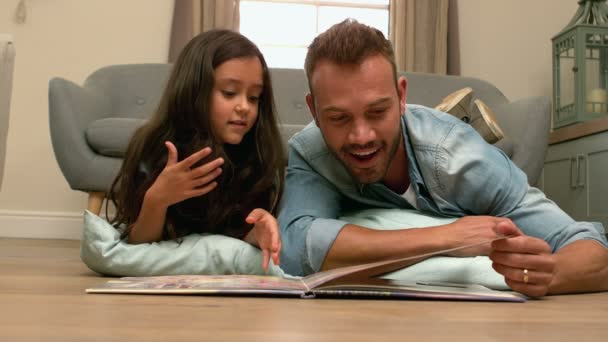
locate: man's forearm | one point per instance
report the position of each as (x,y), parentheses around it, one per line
(581,266)
(357,245)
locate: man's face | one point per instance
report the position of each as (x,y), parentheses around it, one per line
(358,109)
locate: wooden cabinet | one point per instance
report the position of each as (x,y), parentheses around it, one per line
(575,176)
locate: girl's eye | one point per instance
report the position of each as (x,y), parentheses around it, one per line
(228,93)
(254,99)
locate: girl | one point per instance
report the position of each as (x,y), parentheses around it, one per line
(209,160)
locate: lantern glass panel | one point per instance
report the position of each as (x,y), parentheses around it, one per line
(566,80)
(596,92)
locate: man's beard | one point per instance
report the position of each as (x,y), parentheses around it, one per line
(363,178)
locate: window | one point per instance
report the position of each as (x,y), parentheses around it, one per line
(284,29)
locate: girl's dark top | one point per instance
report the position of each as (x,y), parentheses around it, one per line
(190,215)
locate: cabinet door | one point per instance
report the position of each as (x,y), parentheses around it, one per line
(560,185)
(576,177)
(597,177)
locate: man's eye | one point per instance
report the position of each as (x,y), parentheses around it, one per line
(377,112)
(337,118)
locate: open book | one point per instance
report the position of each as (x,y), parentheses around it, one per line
(352,281)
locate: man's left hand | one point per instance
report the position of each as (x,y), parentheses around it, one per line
(526,262)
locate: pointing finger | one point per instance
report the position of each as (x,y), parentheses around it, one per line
(266,255)
(255,215)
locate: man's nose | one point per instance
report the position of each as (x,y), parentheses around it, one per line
(361,133)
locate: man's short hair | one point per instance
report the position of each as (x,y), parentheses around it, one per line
(348,42)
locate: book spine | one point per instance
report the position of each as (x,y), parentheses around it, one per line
(308,295)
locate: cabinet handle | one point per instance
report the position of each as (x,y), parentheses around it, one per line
(580,180)
(573,179)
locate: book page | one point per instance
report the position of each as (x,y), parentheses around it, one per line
(375,269)
(414,289)
(202,284)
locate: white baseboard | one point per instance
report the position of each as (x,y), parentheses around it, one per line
(40,225)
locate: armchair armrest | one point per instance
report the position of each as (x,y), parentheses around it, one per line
(71,109)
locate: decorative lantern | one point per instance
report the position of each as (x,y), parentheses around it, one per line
(580,66)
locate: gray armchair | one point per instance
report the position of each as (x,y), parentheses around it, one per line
(92,124)
(7,62)
(87,122)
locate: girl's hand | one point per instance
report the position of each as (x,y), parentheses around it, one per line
(178,181)
(265,233)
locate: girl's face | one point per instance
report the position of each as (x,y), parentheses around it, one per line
(236,91)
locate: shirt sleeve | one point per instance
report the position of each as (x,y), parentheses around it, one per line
(479,179)
(308,216)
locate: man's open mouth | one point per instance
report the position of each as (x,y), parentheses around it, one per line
(364,155)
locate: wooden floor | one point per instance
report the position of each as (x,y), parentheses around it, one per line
(42,297)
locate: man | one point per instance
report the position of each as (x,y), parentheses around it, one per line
(361,151)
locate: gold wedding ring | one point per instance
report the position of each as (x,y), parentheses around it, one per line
(525,275)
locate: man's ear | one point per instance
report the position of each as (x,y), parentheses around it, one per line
(310,101)
(402,90)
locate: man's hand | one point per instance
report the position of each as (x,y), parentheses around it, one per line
(470,230)
(526,262)
(266,235)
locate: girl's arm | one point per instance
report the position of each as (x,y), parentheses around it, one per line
(151,220)
(177,182)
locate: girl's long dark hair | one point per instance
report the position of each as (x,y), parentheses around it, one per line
(253,171)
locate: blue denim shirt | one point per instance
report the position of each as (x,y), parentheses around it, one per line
(452,170)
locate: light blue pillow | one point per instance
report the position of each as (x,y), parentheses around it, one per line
(474,270)
(104,252)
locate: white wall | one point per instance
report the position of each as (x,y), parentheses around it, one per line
(508,42)
(67,38)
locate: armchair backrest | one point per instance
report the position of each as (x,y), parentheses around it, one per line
(133,90)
